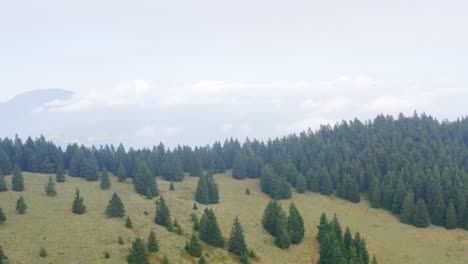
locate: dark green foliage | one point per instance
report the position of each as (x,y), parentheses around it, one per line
(106,255)
(273,185)
(176,228)
(5,163)
(282,239)
(120,240)
(375,193)
(89,169)
(207,190)
(128,222)
(209,229)
(301,183)
(21,205)
(349,189)
(236,243)
(105,182)
(195,207)
(244,258)
(295,225)
(193,247)
(138,253)
(247,191)
(3,257)
(163,215)
(115,207)
(239,167)
(374,260)
(60,174)
(421,215)
(78,206)
(165,260)
(195,221)
(121,173)
(2,216)
(213,191)
(145,181)
(407,209)
(202,260)
(171,187)
(326,187)
(3,184)
(50,187)
(42,252)
(17,180)
(271,215)
(451,217)
(153,245)
(172,169)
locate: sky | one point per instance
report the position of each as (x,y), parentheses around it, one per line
(192,72)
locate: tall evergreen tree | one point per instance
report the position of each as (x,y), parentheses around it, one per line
(138,253)
(326,187)
(21,205)
(17,179)
(5,163)
(115,207)
(375,194)
(212,189)
(236,243)
(239,167)
(3,184)
(153,245)
(407,209)
(89,169)
(421,215)
(50,187)
(105,183)
(121,173)
(163,215)
(193,247)
(349,189)
(2,216)
(201,194)
(60,174)
(271,216)
(301,183)
(145,181)
(128,222)
(282,239)
(451,217)
(78,206)
(295,225)
(209,229)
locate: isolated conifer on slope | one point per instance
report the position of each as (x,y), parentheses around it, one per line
(407,209)
(202,260)
(201,194)
(60,174)
(165,260)
(421,215)
(144,180)
(138,253)
(3,184)
(282,239)
(271,215)
(121,173)
(50,187)
(193,247)
(17,180)
(128,222)
(236,243)
(209,229)
(115,207)
(153,245)
(295,225)
(163,215)
(21,205)
(105,182)
(78,206)
(450,217)
(2,216)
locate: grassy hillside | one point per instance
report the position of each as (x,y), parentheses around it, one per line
(70,238)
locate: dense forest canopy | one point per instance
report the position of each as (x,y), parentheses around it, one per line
(399,162)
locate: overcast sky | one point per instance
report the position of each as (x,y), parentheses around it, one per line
(192,72)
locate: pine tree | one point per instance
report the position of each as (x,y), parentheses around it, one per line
(17,179)
(2,216)
(128,222)
(89,169)
(60,174)
(239,167)
(301,183)
(213,192)
(42,252)
(326,187)
(271,216)
(295,225)
(115,207)
(138,253)
(165,260)
(153,245)
(195,207)
(193,247)
(78,206)
(21,205)
(163,215)
(374,260)
(236,243)
(3,258)
(451,217)
(120,240)
(177,228)
(209,229)
(247,191)
(171,187)
(244,258)
(195,221)
(50,187)
(121,173)
(3,184)
(5,163)
(349,189)
(105,182)
(407,210)
(375,194)
(144,180)
(282,239)
(201,194)
(421,216)
(202,260)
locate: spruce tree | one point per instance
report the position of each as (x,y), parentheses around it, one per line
(17,180)
(78,206)
(451,217)
(374,260)
(60,174)
(3,257)
(295,225)
(236,243)
(163,215)
(21,205)
(213,192)
(138,253)
(271,216)
(195,207)
(201,194)
(202,260)
(195,221)
(171,187)
(301,183)
(165,260)
(407,210)
(144,180)
(153,245)
(128,222)
(375,193)
(193,247)
(50,187)
(42,252)
(209,229)
(2,216)
(239,167)
(282,239)
(105,182)
(121,173)
(115,207)
(120,240)
(326,187)
(421,216)
(247,191)
(3,184)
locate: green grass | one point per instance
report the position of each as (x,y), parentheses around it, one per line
(70,238)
